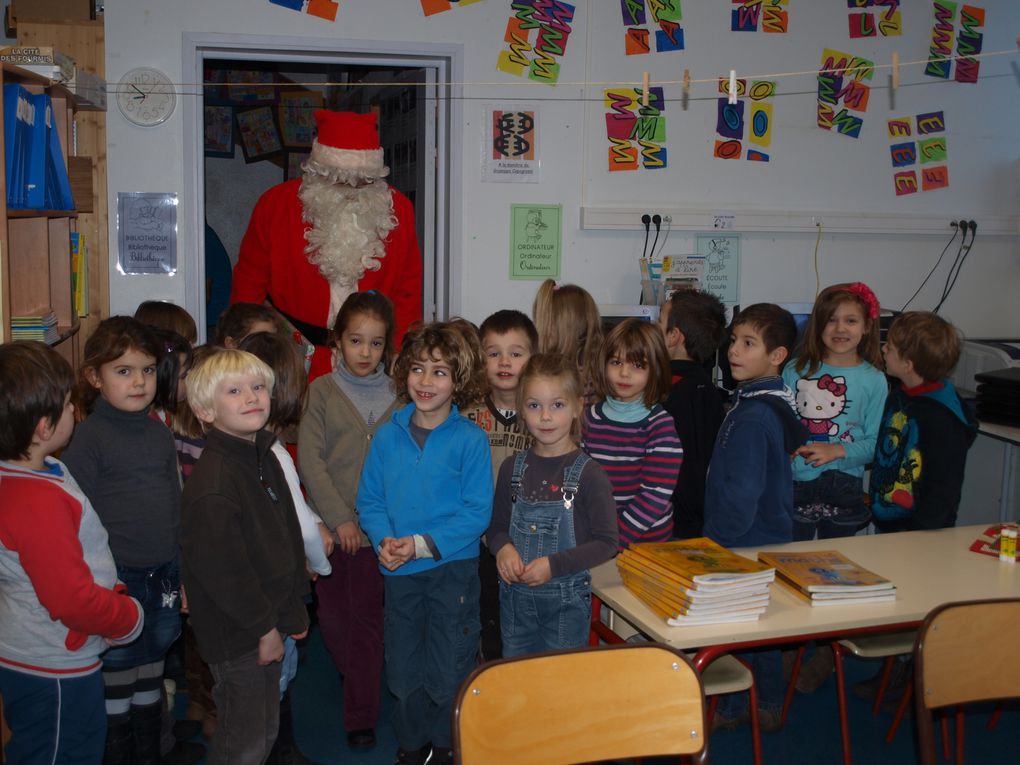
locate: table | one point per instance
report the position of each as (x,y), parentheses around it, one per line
(929,568)
(1010,437)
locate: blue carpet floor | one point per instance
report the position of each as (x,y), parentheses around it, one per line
(811,735)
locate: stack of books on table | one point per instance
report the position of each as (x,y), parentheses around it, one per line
(829,578)
(696,581)
(42,327)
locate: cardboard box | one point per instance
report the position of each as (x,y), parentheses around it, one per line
(52,10)
(47,61)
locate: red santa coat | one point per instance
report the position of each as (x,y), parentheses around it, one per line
(273,263)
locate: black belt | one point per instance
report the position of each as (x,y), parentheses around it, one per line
(315,335)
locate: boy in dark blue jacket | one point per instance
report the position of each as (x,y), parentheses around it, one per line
(749,491)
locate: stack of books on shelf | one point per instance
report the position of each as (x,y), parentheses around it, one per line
(829,578)
(42,327)
(696,581)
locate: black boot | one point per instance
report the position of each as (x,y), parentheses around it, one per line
(118,740)
(145,733)
(285,749)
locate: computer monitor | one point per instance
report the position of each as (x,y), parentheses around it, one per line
(613,313)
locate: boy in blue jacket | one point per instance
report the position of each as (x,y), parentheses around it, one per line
(424,500)
(749,490)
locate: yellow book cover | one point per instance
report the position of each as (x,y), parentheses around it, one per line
(681,605)
(703,561)
(824,571)
(686,591)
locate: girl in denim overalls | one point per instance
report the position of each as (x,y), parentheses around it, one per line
(553,517)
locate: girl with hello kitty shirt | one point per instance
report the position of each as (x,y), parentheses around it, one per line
(840,394)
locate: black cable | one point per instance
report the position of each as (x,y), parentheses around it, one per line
(669,227)
(657,220)
(973,236)
(953,266)
(956,230)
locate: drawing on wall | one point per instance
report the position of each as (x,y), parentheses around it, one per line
(296,114)
(636,133)
(871,18)
(260,138)
(722,265)
(219,131)
(662,17)
(510,145)
(968,37)
(731,126)
(768,16)
(841,84)
(926,155)
(536,39)
(431,7)
(324,9)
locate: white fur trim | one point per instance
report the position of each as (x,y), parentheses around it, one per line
(361,160)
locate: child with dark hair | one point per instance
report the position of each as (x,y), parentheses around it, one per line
(508,339)
(126,463)
(425,498)
(749,489)
(346,409)
(164,315)
(243,319)
(60,604)
(631,435)
(694,325)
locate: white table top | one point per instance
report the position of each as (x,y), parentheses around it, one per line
(1008,433)
(928,568)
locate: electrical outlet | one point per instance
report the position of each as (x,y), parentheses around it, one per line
(667,218)
(817,220)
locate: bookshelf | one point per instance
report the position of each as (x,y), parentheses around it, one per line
(35,244)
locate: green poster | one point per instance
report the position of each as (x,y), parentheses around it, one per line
(535,243)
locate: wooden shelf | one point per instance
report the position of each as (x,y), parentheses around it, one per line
(22,213)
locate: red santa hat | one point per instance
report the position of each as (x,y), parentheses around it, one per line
(347,145)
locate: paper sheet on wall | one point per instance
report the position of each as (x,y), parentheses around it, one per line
(721,274)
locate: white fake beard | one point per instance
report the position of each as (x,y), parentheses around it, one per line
(349,227)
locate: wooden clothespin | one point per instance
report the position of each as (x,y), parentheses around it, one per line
(895,70)
(644,89)
(687,87)
(733,87)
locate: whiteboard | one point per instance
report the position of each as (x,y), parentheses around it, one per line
(809,168)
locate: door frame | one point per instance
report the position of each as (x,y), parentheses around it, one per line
(440,248)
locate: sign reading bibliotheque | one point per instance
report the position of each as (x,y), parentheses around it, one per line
(146,233)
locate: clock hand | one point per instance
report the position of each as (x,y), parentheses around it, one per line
(138,89)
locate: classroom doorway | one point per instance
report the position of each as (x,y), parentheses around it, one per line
(280,79)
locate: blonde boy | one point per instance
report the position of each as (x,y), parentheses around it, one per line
(242,560)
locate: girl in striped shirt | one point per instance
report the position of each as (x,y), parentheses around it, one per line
(631,435)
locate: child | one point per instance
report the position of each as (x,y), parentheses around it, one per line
(840,394)
(345,411)
(425,497)
(125,462)
(286,407)
(242,560)
(631,435)
(553,517)
(163,315)
(749,488)
(694,324)
(568,322)
(508,340)
(926,431)
(243,319)
(60,606)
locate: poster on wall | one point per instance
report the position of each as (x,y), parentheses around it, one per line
(636,132)
(535,241)
(219,131)
(296,113)
(721,274)
(510,144)
(431,7)
(146,232)
(536,39)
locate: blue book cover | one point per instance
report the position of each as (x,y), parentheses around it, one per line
(35,177)
(61,184)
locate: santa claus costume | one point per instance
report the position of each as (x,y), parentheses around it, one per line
(340,228)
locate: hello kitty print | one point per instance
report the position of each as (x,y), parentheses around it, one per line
(819,402)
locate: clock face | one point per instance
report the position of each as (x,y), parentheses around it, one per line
(146,96)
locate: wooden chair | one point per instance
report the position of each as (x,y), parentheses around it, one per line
(589,704)
(965,652)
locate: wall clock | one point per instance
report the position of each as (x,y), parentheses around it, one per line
(146,96)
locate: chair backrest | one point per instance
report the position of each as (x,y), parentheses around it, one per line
(965,652)
(579,706)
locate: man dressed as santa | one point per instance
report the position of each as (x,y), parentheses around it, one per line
(341,228)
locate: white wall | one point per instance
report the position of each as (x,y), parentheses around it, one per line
(775,267)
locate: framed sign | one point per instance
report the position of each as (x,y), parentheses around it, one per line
(535,243)
(146,233)
(510,144)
